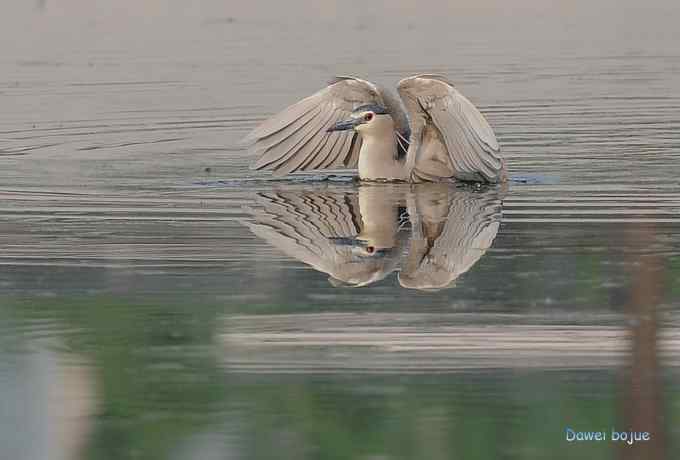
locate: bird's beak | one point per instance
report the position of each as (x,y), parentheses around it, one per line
(344,125)
(357,243)
(344,241)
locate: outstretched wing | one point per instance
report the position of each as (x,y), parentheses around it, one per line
(320,229)
(449,136)
(296,139)
(451,231)
(304,225)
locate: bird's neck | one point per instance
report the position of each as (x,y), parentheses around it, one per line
(378,156)
(379,217)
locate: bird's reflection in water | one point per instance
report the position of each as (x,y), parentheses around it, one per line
(353,237)
(430,233)
(451,229)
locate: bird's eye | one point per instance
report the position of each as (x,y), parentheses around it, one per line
(368,117)
(370,249)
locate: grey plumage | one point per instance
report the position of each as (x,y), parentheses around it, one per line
(358,238)
(470,144)
(323,231)
(441,132)
(450,231)
(296,139)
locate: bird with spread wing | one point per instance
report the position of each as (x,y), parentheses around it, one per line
(433,134)
(353,237)
(360,236)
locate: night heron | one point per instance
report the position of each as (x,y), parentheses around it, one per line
(352,123)
(451,229)
(352,237)
(360,237)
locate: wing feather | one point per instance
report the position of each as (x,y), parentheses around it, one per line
(339,150)
(468,140)
(306,225)
(305,152)
(353,154)
(281,135)
(452,230)
(315,159)
(278,146)
(333,142)
(296,139)
(293,144)
(276,124)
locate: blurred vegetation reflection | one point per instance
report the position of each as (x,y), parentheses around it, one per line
(160,390)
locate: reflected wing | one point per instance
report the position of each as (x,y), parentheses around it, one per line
(451,231)
(449,136)
(296,139)
(320,229)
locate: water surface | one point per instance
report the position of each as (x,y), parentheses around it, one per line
(154,306)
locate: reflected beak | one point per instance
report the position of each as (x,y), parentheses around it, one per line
(344,125)
(357,243)
(343,241)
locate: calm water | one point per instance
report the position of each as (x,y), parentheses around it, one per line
(158,301)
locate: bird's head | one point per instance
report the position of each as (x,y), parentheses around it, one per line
(366,119)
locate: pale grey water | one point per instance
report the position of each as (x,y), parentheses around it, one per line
(140,318)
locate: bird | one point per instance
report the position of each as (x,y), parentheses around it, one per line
(360,236)
(450,231)
(352,237)
(433,134)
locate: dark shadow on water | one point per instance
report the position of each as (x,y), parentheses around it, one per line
(292,180)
